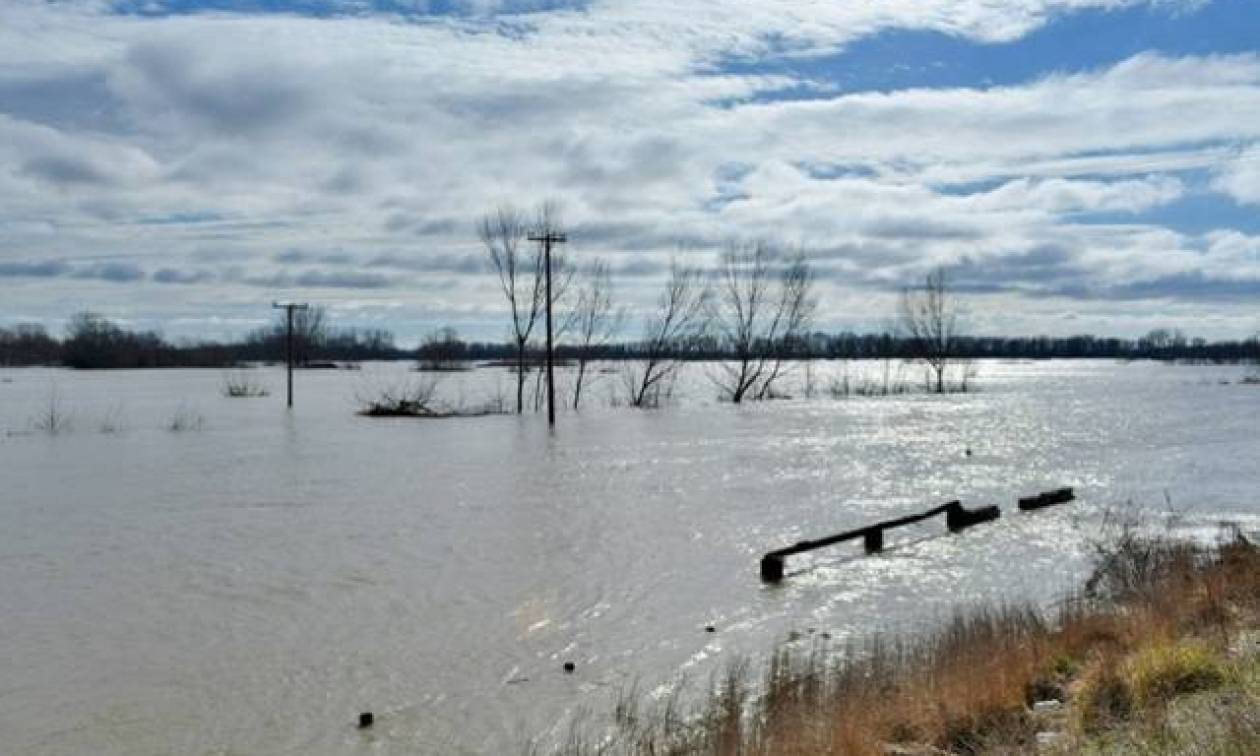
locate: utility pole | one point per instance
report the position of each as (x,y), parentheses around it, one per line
(547,238)
(288,308)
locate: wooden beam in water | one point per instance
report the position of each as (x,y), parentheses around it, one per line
(1046,499)
(957,518)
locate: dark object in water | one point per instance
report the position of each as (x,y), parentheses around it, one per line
(710,629)
(1057,496)
(365,720)
(569,666)
(772,568)
(968,452)
(958,518)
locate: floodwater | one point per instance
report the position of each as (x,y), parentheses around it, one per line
(249,584)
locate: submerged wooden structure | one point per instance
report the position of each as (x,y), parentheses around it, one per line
(957,518)
(1057,496)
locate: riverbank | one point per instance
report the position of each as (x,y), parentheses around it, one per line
(1159,653)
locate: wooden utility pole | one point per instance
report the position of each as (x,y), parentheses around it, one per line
(547,238)
(288,308)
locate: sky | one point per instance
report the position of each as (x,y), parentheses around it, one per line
(1076,165)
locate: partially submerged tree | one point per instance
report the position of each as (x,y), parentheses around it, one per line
(442,350)
(504,233)
(679,319)
(593,322)
(929,318)
(761,310)
(520,267)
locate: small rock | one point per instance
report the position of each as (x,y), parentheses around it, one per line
(710,629)
(569,667)
(366,719)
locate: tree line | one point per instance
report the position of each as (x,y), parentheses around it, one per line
(92,341)
(751,316)
(849,345)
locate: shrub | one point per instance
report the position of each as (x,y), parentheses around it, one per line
(186,419)
(411,399)
(242,385)
(52,418)
(112,422)
(1167,670)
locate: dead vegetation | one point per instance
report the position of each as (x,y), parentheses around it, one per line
(52,418)
(185,419)
(243,385)
(419,399)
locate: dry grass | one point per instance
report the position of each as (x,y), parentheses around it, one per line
(1154,626)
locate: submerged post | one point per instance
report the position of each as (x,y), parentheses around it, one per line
(771,568)
(288,308)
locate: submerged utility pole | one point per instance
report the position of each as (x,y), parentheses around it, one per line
(288,308)
(547,238)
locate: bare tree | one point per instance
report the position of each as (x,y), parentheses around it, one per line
(520,268)
(681,316)
(929,318)
(593,321)
(310,332)
(504,233)
(761,315)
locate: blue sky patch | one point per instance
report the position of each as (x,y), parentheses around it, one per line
(1081,41)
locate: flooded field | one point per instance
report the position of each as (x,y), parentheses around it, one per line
(182,572)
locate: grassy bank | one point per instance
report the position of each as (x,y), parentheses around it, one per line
(1158,654)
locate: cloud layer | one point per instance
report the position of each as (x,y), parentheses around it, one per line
(169,163)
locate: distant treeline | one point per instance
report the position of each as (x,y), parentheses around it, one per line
(91,341)
(846,345)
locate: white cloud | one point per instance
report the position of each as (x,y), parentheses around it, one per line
(1240,177)
(380,137)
